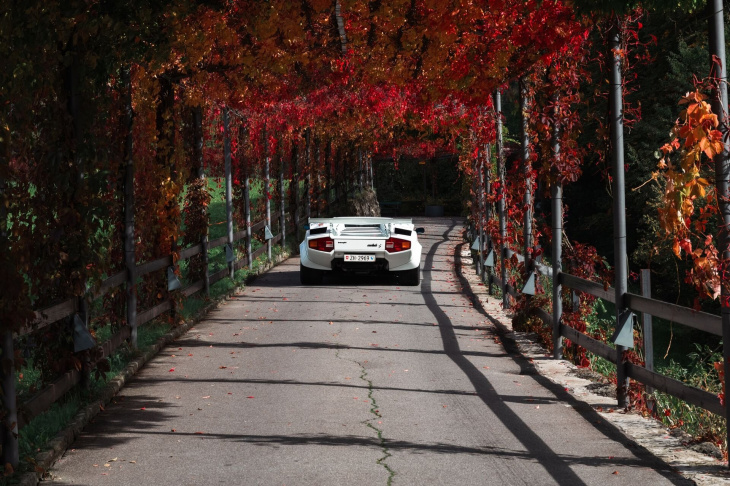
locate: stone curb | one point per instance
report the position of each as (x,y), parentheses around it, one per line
(667,445)
(57,446)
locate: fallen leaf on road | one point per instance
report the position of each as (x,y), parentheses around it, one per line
(172,369)
(251,396)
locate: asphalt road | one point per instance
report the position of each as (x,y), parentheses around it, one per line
(357,381)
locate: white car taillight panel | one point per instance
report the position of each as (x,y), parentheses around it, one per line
(394,245)
(326,244)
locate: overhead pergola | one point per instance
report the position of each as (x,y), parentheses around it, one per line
(112,110)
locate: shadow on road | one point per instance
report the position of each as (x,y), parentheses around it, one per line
(558,466)
(127,418)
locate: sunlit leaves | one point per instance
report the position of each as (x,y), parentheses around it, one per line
(697,140)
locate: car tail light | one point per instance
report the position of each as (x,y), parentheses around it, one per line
(394,245)
(322,244)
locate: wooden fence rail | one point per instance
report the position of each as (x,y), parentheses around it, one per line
(42,401)
(657,308)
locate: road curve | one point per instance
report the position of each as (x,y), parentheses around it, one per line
(357,381)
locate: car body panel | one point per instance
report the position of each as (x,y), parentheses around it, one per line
(361,236)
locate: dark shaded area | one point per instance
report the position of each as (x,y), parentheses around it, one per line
(416,183)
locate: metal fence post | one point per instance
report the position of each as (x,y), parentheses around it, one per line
(556,200)
(486,173)
(198,155)
(229,186)
(480,196)
(129,240)
(267,200)
(282,207)
(294,188)
(623,314)
(247,215)
(527,168)
(716,21)
(308,178)
(502,194)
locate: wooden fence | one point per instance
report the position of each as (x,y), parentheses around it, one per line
(492,266)
(74,306)
(286,222)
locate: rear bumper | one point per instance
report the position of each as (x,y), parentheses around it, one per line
(384,262)
(379,265)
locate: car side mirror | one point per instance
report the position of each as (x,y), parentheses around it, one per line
(420,231)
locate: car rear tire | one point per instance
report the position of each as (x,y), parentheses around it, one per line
(309,276)
(410,277)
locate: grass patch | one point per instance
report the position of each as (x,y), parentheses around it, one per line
(700,373)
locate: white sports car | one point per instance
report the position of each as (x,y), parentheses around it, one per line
(360,244)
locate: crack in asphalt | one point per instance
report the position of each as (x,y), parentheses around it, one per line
(369,423)
(375,411)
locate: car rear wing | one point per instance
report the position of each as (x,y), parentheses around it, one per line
(360,220)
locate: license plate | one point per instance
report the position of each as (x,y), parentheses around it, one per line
(359,258)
